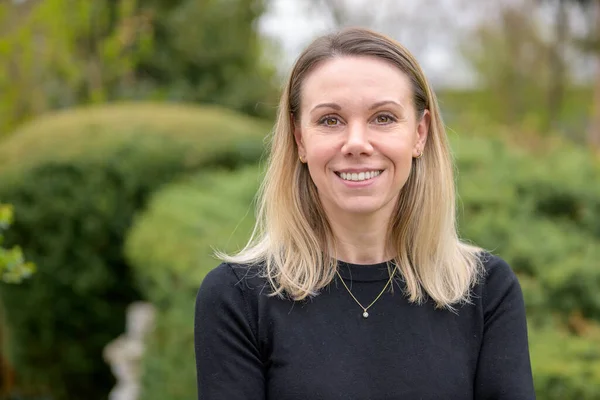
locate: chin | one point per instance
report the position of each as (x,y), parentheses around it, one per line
(360,207)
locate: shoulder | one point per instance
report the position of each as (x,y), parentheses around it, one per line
(229,279)
(499,283)
(496,271)
(224,306)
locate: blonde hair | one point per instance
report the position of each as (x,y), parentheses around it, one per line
(292,235)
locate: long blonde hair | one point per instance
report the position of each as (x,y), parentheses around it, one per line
(292,235)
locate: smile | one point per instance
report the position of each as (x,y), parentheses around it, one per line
(359,176)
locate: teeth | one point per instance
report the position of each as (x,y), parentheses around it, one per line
(361,176)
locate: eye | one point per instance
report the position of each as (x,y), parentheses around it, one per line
(329,120)
(384,119)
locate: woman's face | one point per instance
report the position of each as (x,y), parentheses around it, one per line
(358,132)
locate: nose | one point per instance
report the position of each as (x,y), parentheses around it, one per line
(357,140)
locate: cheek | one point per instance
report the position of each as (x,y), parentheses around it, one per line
(401,156)
(399,150)
(320,152)
(405,168)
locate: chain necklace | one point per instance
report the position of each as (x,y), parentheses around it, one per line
(365,312)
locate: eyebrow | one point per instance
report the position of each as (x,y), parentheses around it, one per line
(385,102)
(337,107)
(327,105)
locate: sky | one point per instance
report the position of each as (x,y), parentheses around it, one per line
(294,23)
(431,29)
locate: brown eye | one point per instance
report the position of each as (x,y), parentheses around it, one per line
(383,119)
(330,121)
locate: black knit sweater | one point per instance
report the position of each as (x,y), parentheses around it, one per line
(254,347)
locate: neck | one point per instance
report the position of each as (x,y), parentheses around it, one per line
(361,240)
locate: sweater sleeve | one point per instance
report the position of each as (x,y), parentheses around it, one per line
(504,367)
(228,361)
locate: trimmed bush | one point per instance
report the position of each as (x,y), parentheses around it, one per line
(202,135)
(171,247)
(76,180)
(190,218)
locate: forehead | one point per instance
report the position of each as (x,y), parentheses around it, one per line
(355,78)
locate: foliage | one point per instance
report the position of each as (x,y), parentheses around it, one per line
(209,52)
(476,111)
(53,57)
(13,268)
(188,219)
(526,65)
(545,220)
(540,210)
(76,180)
(93,133)
(510,60)
(56,54)
(570,370)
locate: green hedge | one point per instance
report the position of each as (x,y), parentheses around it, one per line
(76,180)
(93,133)
(541,213)
(188,219)
(565,366)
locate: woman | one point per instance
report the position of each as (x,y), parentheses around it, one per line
(355,284)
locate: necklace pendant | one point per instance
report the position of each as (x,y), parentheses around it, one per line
(365,314)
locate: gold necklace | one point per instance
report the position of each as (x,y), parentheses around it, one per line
(365,313)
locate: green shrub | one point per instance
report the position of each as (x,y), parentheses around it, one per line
(187,220)
(201,134)
(76,179)
(542,214)
(565,366)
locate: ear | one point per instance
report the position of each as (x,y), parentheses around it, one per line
(421,133)
(298,136)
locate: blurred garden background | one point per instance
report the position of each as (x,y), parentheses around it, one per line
(131,145)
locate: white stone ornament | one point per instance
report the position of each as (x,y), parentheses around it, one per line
(124,354)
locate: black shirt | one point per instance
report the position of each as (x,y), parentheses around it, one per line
(254,347)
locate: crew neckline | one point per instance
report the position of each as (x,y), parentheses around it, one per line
(364,272)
